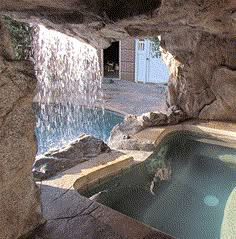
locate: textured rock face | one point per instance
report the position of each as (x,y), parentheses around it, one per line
(19,200)
(122,134)
(197,34)
(80,150)
(202,74)
(85,146)
(100,22)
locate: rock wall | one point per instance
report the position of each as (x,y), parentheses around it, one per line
(19,200)
(202,74)
(197,34)
(99,22)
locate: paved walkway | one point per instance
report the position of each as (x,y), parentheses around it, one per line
(134,98)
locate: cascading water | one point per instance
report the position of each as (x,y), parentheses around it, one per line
(67,69)
(69,86)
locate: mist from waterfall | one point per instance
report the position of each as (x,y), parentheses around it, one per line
(69,83)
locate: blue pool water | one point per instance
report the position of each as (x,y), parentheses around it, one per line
(56,125)
(190,203)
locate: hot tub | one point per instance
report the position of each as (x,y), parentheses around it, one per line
(181,189)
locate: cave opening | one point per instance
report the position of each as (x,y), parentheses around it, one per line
(201,64)
(73,98)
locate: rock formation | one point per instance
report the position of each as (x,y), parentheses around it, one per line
(202,74)
(100,22)
(79,150)
(122,134)
(19,200)
(198,37)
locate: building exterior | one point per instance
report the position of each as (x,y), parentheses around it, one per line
(127,59)
(134,60)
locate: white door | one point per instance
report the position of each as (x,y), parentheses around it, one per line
(148,67)
(140,60)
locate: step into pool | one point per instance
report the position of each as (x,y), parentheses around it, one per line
(181,189)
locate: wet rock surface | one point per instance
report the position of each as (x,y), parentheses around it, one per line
(82,149)
(122,135)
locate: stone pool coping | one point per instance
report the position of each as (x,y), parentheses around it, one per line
(60,197)
(72,216)
(61,203)
(220,133)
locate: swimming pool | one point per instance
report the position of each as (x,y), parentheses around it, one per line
(57,124)
(182,189)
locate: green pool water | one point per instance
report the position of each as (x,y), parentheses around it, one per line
(190,203)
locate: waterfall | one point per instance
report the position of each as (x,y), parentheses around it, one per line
(69,86)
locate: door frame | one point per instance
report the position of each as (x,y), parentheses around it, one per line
(102,62)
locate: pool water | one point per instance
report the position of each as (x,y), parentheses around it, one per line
(57,125)
(189,202)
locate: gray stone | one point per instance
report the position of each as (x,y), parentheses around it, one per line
(72,216)
(175,115)
(154,119)
(79,150)
(199,85)
(46,167)
(223,107)
(123,135)
(100,22)
(85,146)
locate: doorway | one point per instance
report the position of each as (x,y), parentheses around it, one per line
(149,68)
(111,59)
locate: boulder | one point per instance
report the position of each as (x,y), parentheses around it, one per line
(202,74)
(78,151)
(46,167)
(223,107)
(86,146)
(154,119)
(121,136)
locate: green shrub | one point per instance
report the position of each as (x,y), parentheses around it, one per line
(156,46)
(21,36)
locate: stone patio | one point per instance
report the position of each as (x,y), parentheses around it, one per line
(128,97)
